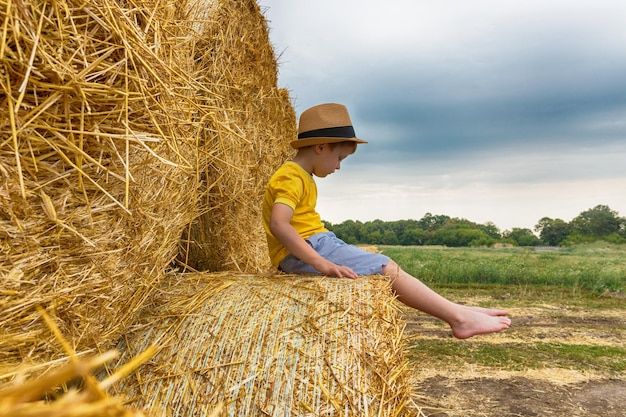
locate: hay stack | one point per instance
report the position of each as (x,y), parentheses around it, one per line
(114,122)
(271,345)
(250,141)
(97,153)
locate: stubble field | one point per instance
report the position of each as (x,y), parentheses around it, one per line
(565,354)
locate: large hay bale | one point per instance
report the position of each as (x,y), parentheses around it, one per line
(113,125)
(271,345)
(249,143)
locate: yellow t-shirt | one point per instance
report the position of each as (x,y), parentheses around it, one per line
(293,186)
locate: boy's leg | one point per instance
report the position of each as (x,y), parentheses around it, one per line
(335,250)
(465,321)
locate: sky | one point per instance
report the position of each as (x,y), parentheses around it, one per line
(489,110)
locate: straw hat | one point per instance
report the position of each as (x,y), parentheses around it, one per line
(325,123)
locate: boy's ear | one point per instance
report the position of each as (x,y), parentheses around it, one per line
(319,148)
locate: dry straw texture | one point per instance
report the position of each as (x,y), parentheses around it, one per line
(271,346)
(97,165)
(122,122)
(32,397)
(51,389)
(250,140)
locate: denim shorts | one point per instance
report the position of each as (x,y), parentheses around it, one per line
(332,248)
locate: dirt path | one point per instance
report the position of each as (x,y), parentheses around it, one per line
(517,396)
(461,389)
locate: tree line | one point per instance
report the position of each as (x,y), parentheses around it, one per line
(598,223)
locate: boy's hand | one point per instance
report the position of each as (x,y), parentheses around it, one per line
(280,226)
(334,270)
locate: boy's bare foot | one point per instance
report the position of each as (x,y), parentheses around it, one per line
(489,311)
(478,320)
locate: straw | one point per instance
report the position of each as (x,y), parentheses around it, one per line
(272,345)
(47,395)
(254,123)
(125,125)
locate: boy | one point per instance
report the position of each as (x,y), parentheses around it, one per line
(299,243)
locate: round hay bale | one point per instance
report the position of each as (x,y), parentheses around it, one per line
(121,124)
(249,142)
(271,345)
(98,161)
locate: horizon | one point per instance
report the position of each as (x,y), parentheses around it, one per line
(502,230)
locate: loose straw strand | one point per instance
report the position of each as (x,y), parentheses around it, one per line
(5,29)
(22,89)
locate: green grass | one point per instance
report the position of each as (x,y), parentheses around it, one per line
(559,306)
(565,287)
(609,360)
(532,295)
(597,267)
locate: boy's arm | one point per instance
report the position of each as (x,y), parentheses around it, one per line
(281,228)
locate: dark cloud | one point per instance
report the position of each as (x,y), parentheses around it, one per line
(446,117)
(541,78)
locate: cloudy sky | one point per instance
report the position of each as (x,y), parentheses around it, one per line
(490,110)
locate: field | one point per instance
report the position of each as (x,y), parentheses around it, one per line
(565,354)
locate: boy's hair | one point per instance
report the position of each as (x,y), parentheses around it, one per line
(333,145)
(347,144)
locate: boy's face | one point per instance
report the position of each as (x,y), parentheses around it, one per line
(330,157)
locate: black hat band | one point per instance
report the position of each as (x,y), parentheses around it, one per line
(329,132)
